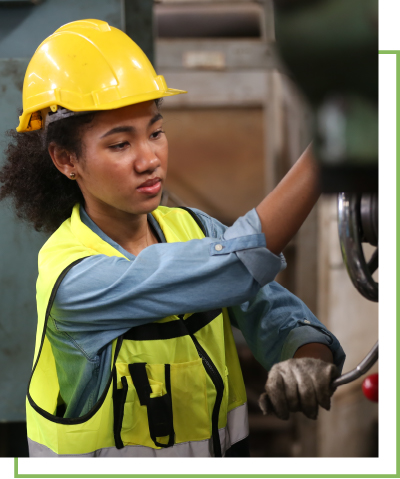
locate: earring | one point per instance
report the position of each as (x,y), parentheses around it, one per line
(72,175)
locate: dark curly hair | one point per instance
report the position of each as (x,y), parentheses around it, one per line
(41,195)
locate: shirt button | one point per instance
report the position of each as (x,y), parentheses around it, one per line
(218,247)
(307,321)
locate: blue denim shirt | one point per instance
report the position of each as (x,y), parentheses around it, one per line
(102,297)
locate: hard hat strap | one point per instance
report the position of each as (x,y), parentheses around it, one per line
(60,114)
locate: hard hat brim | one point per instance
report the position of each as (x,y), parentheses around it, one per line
(131,100)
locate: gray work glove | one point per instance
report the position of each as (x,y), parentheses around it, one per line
(299,384)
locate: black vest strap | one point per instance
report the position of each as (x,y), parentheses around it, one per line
(159,409)
(141,382)
(168,387)
(172,329)
(119,398)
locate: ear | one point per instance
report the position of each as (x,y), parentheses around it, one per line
(63,160)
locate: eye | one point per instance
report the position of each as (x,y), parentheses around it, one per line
(156,134)
(119,146)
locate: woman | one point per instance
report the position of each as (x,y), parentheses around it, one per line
(134,353)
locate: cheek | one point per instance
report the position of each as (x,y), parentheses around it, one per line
(162,153)
(96,167)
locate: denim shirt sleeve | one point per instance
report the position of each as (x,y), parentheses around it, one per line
(274,313)
(275,323)
(255,258)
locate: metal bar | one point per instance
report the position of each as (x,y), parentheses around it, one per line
(366,364)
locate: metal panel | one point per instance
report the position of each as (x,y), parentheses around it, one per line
(24,27)
(19,246)
(211,88)
(212,20)
(139,24)
(236,54)
(19,2)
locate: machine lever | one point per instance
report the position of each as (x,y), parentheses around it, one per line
(366,364)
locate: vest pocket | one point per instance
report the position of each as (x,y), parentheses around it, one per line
(164,404)
(189,401)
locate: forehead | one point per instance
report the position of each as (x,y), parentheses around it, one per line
(131,114)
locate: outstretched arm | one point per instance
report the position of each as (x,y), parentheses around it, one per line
(284,210)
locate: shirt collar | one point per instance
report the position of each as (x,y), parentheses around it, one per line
(86,220)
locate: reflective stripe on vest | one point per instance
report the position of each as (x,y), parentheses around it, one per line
(173,382)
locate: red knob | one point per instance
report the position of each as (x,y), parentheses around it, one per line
(370,387)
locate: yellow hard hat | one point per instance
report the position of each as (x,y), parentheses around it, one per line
(87,66)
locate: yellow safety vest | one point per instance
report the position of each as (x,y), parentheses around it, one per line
(175,385)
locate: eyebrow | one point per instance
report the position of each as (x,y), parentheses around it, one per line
(155,118)
(130,129)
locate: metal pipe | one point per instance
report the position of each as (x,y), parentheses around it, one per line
(366,364)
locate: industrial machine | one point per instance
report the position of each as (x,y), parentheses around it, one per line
(331,49)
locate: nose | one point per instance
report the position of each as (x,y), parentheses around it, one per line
(146,159)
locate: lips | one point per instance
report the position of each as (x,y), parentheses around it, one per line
(150,186)
(151,182)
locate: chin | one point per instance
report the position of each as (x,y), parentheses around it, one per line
(148,206)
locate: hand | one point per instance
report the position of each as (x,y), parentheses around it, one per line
(300,384)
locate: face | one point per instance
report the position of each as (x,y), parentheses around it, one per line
(124,164)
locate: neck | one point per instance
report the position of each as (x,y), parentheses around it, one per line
(130,231)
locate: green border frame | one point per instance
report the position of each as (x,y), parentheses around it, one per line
(17,475)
